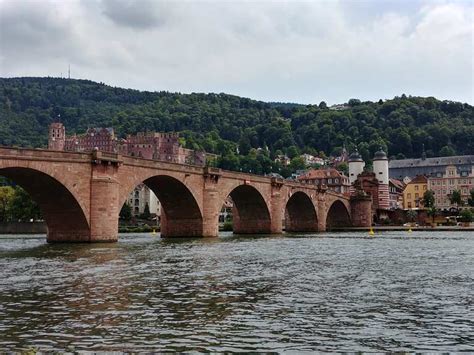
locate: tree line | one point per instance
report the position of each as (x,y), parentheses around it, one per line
(246,133)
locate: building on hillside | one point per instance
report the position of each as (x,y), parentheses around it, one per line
(312,160)
(452,179)
(413,193)
(146,145)
(396,188)
(342,158)
(283,160)
(141,196)
(331,178)
(430,167)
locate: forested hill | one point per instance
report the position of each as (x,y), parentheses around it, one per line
(220,123)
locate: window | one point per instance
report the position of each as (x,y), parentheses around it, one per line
(409,204)
(416,187)
(409,195)
(417,196)
(424,187)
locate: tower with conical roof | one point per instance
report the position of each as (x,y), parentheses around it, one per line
(356,166)
(381,174)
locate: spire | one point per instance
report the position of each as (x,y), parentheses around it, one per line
(423,154)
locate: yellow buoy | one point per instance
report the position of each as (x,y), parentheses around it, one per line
(409,230)
(371,231)
(154,232)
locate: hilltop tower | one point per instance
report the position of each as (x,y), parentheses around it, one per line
(56,136)
(356,166)
(381,173)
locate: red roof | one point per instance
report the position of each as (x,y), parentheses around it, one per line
(320,174)
(420,179)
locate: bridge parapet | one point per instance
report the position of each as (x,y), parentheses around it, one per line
(99,157)
(42,154)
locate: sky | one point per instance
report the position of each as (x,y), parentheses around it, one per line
(287,51)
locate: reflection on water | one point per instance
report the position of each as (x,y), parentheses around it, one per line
(315,292)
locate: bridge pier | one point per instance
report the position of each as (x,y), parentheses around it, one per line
(104,210)
(361,211)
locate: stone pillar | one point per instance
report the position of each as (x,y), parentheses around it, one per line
(104,204)
(276,209)
(361,211)
(322,211)
(186,227)
(211,209)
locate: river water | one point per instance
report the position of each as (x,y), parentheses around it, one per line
(324,292)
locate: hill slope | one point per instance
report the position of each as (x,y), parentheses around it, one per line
(219,122)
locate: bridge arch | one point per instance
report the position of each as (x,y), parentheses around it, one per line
(338,215)
(181,215)
(300,213)
(250,212)
(65,218)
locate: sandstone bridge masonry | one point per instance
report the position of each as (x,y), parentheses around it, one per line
(81,194)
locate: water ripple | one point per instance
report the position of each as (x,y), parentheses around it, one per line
(326,292)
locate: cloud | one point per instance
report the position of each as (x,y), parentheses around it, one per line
(143,14)
(276,51)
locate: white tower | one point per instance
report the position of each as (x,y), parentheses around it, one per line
(356,166)
(381,174)
(381,167)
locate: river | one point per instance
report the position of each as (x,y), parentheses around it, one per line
(324,292)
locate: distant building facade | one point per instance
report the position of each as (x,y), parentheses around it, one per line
(452,179)
(331,178)
(142,196)
(283,160)
(430,167)
(395,190)
(413,193)
(146,145)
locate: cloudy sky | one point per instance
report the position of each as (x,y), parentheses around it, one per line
(292,51)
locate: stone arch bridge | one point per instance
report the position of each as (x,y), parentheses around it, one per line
(81,194)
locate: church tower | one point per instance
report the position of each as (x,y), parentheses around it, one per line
(56,136)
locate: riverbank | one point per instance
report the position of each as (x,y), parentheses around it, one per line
(405,228)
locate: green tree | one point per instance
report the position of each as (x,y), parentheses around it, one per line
(23,207)
(411,215)
(292,152)
(297,163)
(146,212)
(6,197)
(447,151)
(456,198)
(126,212)
(471,198)
(467,215)
(428,199)
(343,168)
